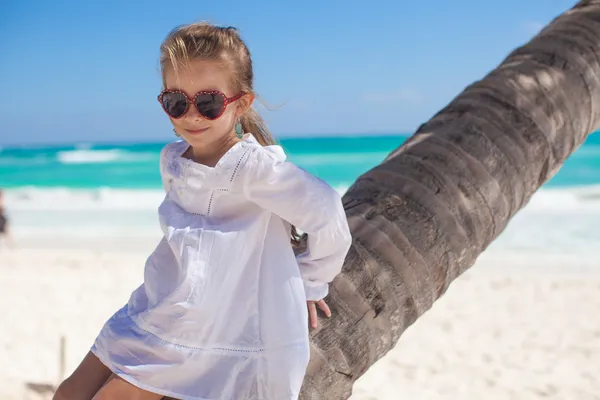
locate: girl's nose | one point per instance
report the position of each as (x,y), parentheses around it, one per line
(192,113)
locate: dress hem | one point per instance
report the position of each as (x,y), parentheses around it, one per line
(126,377)
(123,375)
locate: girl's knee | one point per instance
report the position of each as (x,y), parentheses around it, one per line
(68,390)
(59,394)
(85,381)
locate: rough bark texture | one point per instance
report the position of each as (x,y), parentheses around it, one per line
(424,215)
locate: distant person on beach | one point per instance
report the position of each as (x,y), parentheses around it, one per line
(4,231)
(225,307)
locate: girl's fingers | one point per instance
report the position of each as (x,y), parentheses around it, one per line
(324,307)
(312,314)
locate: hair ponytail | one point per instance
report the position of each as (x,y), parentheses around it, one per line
(254,124)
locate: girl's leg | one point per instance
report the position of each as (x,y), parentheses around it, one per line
(119,389)
(85,381)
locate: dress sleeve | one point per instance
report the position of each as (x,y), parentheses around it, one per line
(308,203)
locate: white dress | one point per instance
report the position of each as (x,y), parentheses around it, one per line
(222,312)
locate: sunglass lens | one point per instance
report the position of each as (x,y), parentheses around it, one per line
(210,105)
(174,103)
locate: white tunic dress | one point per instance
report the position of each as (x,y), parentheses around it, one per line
(222,310)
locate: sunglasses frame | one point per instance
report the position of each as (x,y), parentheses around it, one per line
(227,101)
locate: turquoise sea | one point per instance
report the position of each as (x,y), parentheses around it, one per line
(339,161)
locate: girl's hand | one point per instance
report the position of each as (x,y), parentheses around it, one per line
(312,311)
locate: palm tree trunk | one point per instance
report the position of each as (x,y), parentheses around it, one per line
(424,215)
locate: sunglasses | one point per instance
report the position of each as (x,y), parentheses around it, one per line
(211,105)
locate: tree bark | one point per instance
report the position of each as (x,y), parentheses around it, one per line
(424,215)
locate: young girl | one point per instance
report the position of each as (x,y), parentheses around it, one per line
(222,313)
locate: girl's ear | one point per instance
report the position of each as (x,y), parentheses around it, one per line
(244,103)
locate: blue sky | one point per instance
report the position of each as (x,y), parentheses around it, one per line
(88,71)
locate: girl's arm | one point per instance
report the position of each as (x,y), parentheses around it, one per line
(308,203)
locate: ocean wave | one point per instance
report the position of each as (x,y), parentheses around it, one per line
(575,200)
(49,199)
(85,156)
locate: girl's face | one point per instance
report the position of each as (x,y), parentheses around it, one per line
(202,76)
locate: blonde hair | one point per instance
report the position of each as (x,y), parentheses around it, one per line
(205,41)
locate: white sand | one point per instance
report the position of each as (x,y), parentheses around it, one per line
(499,333)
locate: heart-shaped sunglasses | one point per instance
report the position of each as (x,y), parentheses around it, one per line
(210,104)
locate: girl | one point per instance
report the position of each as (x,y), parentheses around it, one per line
(221,313)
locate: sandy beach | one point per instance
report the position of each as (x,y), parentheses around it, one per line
(502,331)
